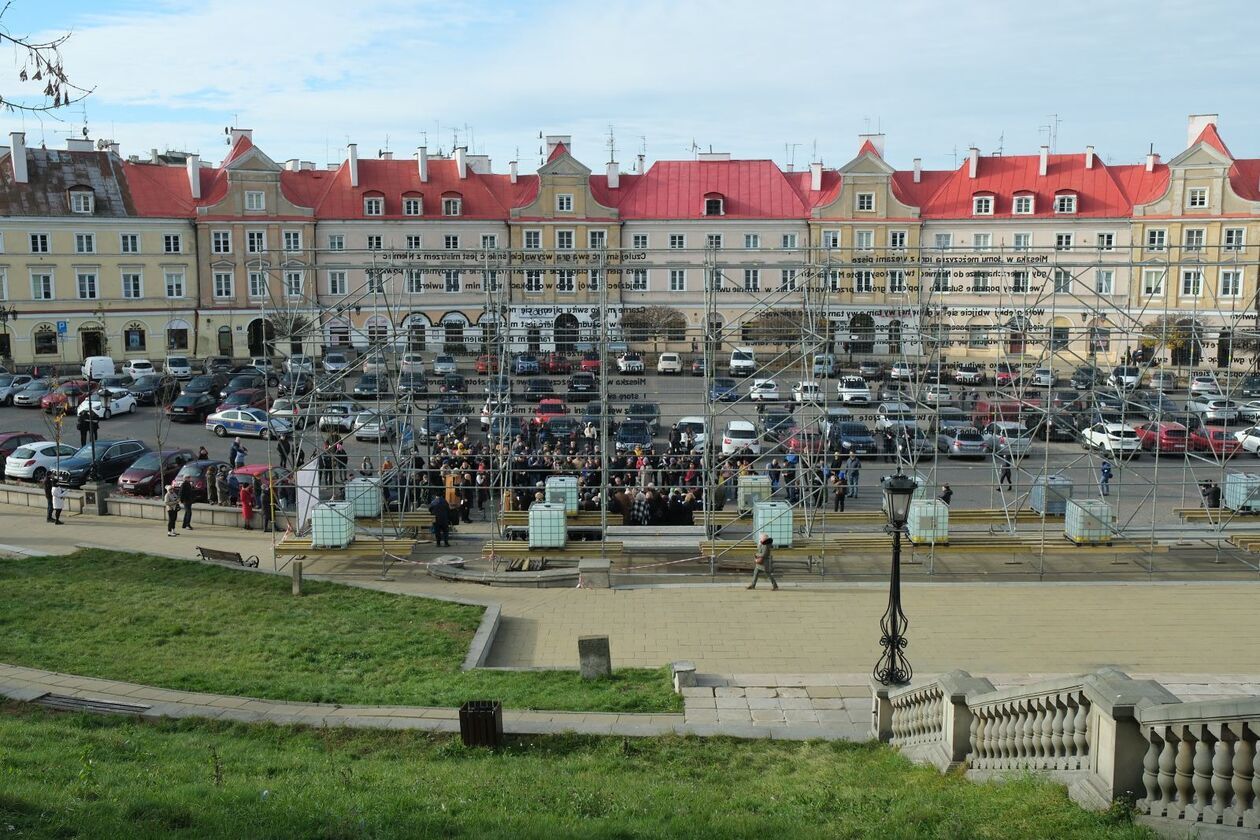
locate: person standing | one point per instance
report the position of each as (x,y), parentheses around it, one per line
(947,494)
(283,448)
(203,454)
(49,485)
(58,503)
(365,466)
(853,472)
(839,489)
(247,505)
(220,479)
(441,520)
(764,562)
(83,427)
(186,499)
(170,501)
(1104,478)
(268,502)
(212,486)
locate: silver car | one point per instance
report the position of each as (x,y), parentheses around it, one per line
(1213,408)
(10,384)
(966,442)
(32,393)
(1008,438)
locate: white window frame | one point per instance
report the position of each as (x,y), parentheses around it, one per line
(1105,240)
(564,202)
(414,280)
(43,275)
(831,239)
(594,278)
(336,242)
(1235,277)
(639,280)
(1153,281)
(255,201)
(489,241)
(1200,238)
(337,282)
(255,241)
(220,241)
(678,279)
(942,241)
(294,282)
(788,241)
(752,279)
(374,242)
(127,275)
(126,240)
(787,279)
(257,284)
(1234,238)
(980,281)
(534,281)
(834,279)
(721,207)
(452,207)
(752,241)
(1021,241)
(373,205)
(531,240)
(1197,198)
(897,240)
(1156,239)
(85,243)
(82,202)
(981,241)
(1064,241)
(450,242)
(677,241)
(864,202)
(597,240)
(413,205)
(169,239)
(1065,205)
(1019,281)
(1024,204)
(452,281)
(231,285)
(415,242)
(93,277)
(1193,276)
(863,240)
(713,241)
(897,281)
(175,283)
(982,205)
(1105,281)
(566,239)
(566,281)
(292,241)
(41,243)
(1062,279)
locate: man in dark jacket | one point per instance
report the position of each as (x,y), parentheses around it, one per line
(83,425)
(441,520)
(186,499)
(48,488)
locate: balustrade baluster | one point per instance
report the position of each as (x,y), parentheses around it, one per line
(1008,734)
(1056,731)
(1252,817)
(1026,739)
(1167,776)
(1202,778)
(1244,776)
(1184,778)
(1080,733)
(973,735)
(1222,777)
(1150,772)
(1048,706)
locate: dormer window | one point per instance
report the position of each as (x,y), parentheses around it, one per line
(865,201)
(82,201)
(1197,198)
(452,205)
(413,206)
(373,205)
(564,202)
(1022,205)
(714,205)
(1065,203)
(255,200)
(982,205)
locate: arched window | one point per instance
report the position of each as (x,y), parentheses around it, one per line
(714,204)
(862,334)
(134,338)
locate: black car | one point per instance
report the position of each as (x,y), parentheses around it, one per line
(455,382)
(582,386)
(441,423)
(207,383)
(330,387)
(561,426)
(1250,386)
(851,438)
(1053,426)
(112,459)
(242,381)
(777,424)
(1085,377)
(413,384)
(294,384)
(538,388)
(649,413)
(192,408)
(154,389)
(453,403)
(371,386)
(216,364)
(633,433)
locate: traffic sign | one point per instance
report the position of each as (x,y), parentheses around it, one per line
(63,327)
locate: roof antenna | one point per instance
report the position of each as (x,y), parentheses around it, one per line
(789,150)
(1001,144)
(612,144)
(695,149)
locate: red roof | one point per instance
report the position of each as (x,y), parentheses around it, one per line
(675,189)
(242,145)
(1098,194)
(916,195)
(559,150)
(159,190)
(800,182)
(1140,186)
(392,178)
(868,146)
(1212,137)
(1244,177)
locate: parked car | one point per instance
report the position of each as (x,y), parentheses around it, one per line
(698,366)
(909,441)
(10,442)
(853,390)
(206,383)
(1163,438)
(440,423)
(376,426)
(499,383)
(723,389)
(486,364)
(966,442)
(10,384)
(198,473)
(411,363)
(1008,375)
(454,382)
(1249,439)
(556,364)
(154,389)
(107,402)
(330,386)
(740,436)
(339,416)
(1125,377)
(807,391)
(66,396)
(1087,377)
(253,422)
(296,384)
(852,438)
(590,362)
(241,382)
(901,372)
(258,476)
(443,364)
(697,426)
(936,395)
(948,418)
(968,373)
(890,414)
(32,393)
(411,384)
(548,408)
(190,408)
(296,412)
(777,424)
(871,371)
(669,363)
(31,459)
(763,390)
(582,387)
(1114,439)
(1164,380)
(1052,426)
(149,474)
(537,389)
(824,366)
(1217,441)
(216,364)
(112,457)
(630,363)
(1042,377)
(527,363)
(1205,384)
(335,362)
(136,368)
(1213,409)
(262,364)
(244,398)
(1008,438)
(649,413)
(632,434)
(300,363)
(371,386)
(377,363)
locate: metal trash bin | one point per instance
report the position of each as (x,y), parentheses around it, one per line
(481,723)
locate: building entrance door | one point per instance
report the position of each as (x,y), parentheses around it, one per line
(93,343)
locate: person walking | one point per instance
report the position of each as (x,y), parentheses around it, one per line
(283,448)
(839,489)
(1104,478)
(49,485)
(764,562)
(947,494)
(247,506)
(58,503)
(186,499)
(441,520)
(853,473)
(1004,476)
(170,500)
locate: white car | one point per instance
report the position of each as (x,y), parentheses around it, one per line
(136,368)
(374,425)
(1008,438)
(669,363)
(808,391)
(10,384)
(107,402)
(740,435)
(1042,378)
(444,364)
(1249,412)
(901,371)
(261,363)
(290,410)
(969,373)
(937,395)
(1213,408)
(32,460)
(630,363)
(697,427)
(1248,438)
(411,363)
(1125,378)
(891,414)
(178,367)
(853,390)
(1113,439)
(339,416)
(763,390)
(377,364)
(1204,385)
(300,363)
(335,362)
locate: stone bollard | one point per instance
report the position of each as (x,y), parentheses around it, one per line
(684,675)
(594,660)
(297,577)
(593,573)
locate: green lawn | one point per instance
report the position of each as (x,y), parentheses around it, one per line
(194,627)
(97,777)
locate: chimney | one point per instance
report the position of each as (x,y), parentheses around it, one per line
(918,170)
(422,161)
(114,148)
(1089,157)
(1195,124)
(291,165)
(461,162)
(352,155)
(17,139)
(614,175)
(306,165)
(815,177)
(193,164)
(1151,160)
(720,156)
(554,140)
(238,133)
(1044,165)
(876,140)
(79,144)
(973,162)
(512,171)
(385,155)
(479,164)
(639,165)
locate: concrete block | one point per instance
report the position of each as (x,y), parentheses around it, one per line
(684,674)
(594,658)
(594,573)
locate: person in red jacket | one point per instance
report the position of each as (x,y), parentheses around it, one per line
(247,505)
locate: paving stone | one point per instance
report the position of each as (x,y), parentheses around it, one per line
(800,715)
(761,691)
(787,691)
(832,716)
(795,703)
(817,691)
(701,716)
(700,703)
(697,691)
(729,691)
(734,717)
(828,703)
(731,702)
(767,715)
(764,703)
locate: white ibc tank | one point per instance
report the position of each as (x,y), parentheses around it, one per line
(547,526)
(1088,522)
(563,489)
(928,521)
(365,495)
(1242,491)
(332,525)
(775,519)
(753,489)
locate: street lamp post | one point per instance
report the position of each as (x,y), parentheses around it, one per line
(893,668)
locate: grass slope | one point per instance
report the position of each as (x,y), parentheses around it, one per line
(195,627)
(80,776)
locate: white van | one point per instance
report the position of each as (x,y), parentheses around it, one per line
(825,365)
(743,362)
(96,367)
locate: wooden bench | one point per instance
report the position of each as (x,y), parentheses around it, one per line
(737,555)
(1215,516)
(587,518)
(516,555)
(221,556)
(1249,543)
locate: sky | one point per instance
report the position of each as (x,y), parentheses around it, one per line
(792,81)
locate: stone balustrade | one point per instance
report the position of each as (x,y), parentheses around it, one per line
(1039,727)
(1202,765)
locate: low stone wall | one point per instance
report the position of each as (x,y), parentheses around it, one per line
(31,495)
(203,514)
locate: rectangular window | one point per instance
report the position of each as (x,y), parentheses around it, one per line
(564,240)
(1060,337)
(450,242)
(1156,240)
(1065,204)
(85,243)
(1191,282)
(1019,281)
(172,243)
(943,241)
(1063,241)
(1022,241)
(133,339)
(940,281)
(255,200)
(257,284)
(336,242)
(256,241)
(223,284)
(564,202)
(594,278)
(831,239)
(597,240)
(1197,198)
(1022,205)
(533,281)
(897,240)
(1234,238)
(450,281)
(566,281)
(1100,339)
(677,241)
(752,279)
(1153,280)
(293,240)
(45,343)
(713,241)
(452,206)
(977,336)
(337,283)
(677,280)
(834,278)
(1105,281)
(1194,239)
(979,281)
(177,339)
(865,201)
(375,280)
(787,279)
(412,207)
(788,241)
(896,282)
(981,241)
(132,285)
(375,242)
(413,242)
(1231,283)
(41,285)
(87,285)
(491,280)
(129,243)
(752,241)
(1106,241)
(639,241)
(415,281)
(175,283)
(982,205)
(293,284)
(863,282)
(373,206)
(489,241)
(533,240)
(220,241)
(864,240)
(639,280)
(39,243)
(1062,280)
(81,202)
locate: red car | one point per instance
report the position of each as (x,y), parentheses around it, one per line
(153,471)
(548,408)
(66,396)
(245,398)
(486,364)
(803,440)
(196,472)
(1216,441)
(590,362)
(1163,437)
(555,363)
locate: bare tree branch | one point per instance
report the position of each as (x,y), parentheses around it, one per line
(40,68)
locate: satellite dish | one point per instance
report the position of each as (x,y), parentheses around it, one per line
(102,144)
(227,129)
(85,132)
